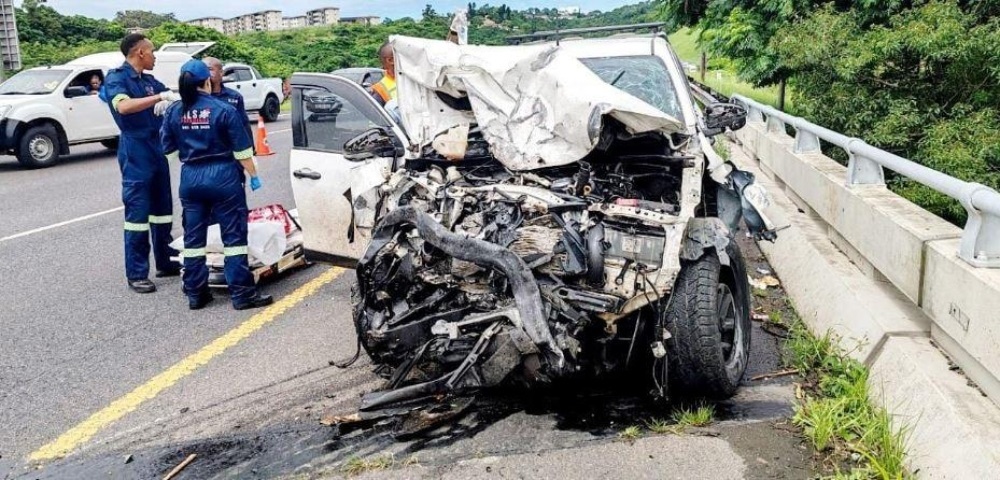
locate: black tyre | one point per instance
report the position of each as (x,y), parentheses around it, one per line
(39,147)
(271,109)
(709,320)
(110,144)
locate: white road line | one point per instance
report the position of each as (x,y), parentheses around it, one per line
(61,224)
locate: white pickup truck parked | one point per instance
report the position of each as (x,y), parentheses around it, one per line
(263,95)
(45,110)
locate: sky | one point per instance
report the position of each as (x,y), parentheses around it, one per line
(189,9)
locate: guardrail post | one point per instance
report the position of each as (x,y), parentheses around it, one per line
(775,125)
(754,114)
(806,141)
(862,170)
(980,245)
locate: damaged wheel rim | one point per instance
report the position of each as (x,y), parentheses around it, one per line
(730,328)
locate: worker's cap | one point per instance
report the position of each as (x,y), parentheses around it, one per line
(198,70)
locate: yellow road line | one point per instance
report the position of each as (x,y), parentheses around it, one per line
(83,432)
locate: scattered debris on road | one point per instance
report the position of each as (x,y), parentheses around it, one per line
(187,461)
(768,376)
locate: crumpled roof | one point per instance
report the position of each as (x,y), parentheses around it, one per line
(536,105)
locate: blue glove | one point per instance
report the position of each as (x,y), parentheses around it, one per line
(255,183)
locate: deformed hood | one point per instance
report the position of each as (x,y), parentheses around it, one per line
(537,106)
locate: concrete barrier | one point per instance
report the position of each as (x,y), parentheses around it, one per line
(841,278)
(964,302)
(888,231)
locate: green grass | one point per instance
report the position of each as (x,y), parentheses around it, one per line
(631,434)
(723,80)
(698,417)
(661,426)
(836,414)
(358,466)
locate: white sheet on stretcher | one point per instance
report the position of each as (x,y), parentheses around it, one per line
(266,242)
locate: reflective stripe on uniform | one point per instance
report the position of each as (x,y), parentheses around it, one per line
(118,98)
(136,227)
(174,156)
(234,251)
(193,252)
(244,154)
(161,219)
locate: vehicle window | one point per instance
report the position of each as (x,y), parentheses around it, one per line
(375,77)
(84,80)
(256,73)
(331,119)
(644,77)
(34,82)
(242,75)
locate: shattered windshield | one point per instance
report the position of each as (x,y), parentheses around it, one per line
(644,77)
(33,82)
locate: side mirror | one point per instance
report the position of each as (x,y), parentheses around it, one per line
(373,143)
(73,92)
(720,116)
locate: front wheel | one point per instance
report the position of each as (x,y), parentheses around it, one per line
(271,109)
(39,147)
(709,320)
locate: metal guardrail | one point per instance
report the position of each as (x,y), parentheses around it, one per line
(980,243)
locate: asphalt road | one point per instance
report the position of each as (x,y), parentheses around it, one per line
(128,385)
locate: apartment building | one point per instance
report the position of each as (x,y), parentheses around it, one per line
(369,20)
(215,23)
(270,20)
(323,16)
(300,21)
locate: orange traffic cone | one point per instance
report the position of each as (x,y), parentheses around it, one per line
(261,147)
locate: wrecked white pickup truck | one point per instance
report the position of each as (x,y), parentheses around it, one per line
(540,212)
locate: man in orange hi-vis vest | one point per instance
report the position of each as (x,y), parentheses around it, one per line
(385,90)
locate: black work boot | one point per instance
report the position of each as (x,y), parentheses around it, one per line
(199,302)
(255,301)
(142,286)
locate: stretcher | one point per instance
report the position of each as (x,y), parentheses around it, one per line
(290,258)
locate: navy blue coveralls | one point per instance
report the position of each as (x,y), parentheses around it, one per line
(235,99)
(208,138)
(145,174)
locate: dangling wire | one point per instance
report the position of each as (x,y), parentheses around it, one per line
(352,360)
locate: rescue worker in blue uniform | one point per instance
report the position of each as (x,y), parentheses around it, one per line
(231,96)
(137,100)
(208,137)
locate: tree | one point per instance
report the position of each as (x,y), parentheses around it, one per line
(428,13)
(921,83)
(143,19)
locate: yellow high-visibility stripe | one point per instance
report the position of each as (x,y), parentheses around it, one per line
(161,219)
(244,154)
(174,156)
(118,98)
(193,252)
(136,227)
(233,251)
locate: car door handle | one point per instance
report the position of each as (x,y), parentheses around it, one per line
(255,84)
(306,173)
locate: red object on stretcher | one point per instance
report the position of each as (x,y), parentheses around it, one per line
(273,213)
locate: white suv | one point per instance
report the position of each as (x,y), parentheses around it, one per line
(533,217)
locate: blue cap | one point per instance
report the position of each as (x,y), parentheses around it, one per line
(197,69)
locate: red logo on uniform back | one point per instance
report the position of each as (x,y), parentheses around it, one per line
(196,118)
